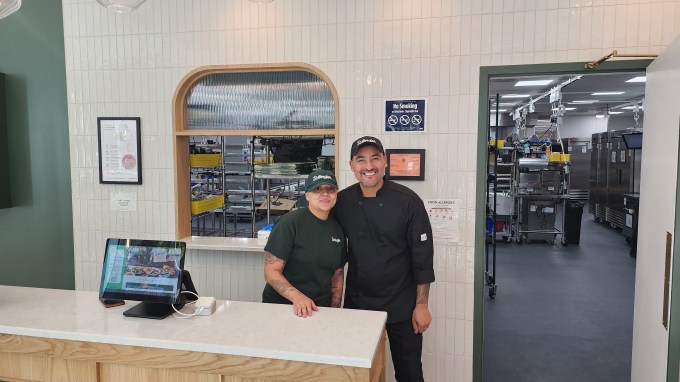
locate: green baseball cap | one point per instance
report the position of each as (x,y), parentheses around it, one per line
(318,178)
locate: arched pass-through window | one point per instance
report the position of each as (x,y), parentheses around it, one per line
(268,100)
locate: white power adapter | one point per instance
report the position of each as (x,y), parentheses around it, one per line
(205,306)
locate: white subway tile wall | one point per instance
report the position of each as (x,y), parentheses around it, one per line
(227,275)
(129,65)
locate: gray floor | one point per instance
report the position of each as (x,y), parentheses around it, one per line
(561,313)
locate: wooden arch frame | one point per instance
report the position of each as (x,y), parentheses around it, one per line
(181,134)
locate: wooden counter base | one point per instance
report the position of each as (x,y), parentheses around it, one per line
(24,358)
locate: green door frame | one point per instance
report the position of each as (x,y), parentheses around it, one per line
(485,73)
(673,362)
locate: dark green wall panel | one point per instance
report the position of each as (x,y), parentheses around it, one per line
(36,233)
(5,194)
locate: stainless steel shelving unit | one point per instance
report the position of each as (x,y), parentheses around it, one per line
(214,184)
(267,186)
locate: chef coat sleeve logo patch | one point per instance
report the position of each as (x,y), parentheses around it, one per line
(423,237)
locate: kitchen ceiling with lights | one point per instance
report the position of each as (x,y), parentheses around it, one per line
(586,94)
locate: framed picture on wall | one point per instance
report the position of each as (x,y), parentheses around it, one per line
(120,153)
(405,164)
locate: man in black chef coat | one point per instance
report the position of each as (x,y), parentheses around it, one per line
(390,259)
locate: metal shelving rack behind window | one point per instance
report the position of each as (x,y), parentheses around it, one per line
(210,179)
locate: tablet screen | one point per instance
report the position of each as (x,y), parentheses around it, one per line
(142,270)
(633,140)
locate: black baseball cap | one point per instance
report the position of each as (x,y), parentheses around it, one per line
(365,141)
(318,178)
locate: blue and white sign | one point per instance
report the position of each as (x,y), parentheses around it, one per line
(405,115)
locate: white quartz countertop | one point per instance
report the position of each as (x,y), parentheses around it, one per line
(225,243)
(331,336)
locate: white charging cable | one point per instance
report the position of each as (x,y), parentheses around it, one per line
(181,315)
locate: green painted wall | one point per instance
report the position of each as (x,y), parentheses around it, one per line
(5,194)
(36,233)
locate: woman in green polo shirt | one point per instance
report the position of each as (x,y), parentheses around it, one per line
(306,252)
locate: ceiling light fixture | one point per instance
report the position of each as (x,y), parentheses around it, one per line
(615,112)
(533,82)
(566,108)
(631,107)
(638,79)
(584,101)
(608,93)
(515,96)
(499,110)
(7,7)
(121,6)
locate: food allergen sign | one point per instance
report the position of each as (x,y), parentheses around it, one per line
(405,115)
(123,201)
(444,218)
(120,159)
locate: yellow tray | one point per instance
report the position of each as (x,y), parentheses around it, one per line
(559,157)
(200,206)
(203,160)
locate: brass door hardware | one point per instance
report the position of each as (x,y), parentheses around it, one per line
(614,53)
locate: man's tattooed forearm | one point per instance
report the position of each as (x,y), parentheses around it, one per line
(336,287)
(423,293)
(336,296)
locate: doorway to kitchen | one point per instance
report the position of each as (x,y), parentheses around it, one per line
(554,280)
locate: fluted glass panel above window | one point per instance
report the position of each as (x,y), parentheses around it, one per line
(276,100)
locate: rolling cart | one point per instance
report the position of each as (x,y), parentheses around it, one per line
(536,219)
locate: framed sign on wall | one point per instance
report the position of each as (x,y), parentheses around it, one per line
(405,115)
(120,153)
(405,164)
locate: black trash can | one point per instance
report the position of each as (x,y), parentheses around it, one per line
(572,221)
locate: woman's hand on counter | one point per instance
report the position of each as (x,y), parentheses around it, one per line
(303,306)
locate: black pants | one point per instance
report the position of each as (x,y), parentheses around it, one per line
(406,348)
